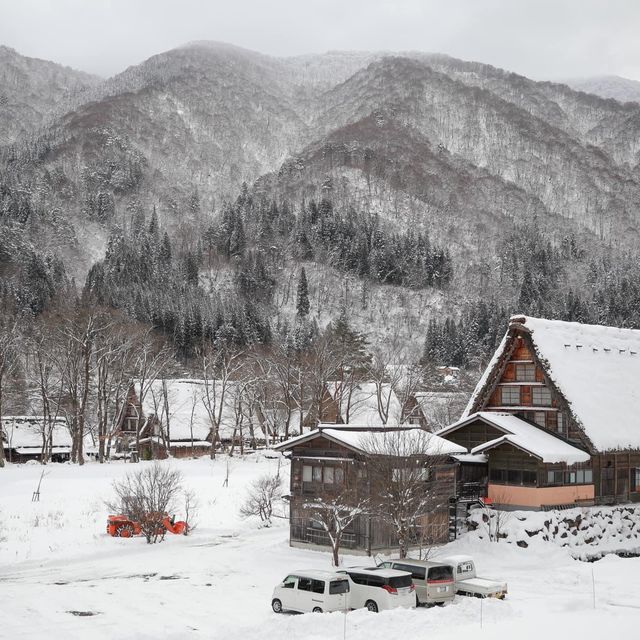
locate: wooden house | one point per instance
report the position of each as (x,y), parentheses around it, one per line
(333,459)
(554,419)
(365,405)
(176,418)
(28,438)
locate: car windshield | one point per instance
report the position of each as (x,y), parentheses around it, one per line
(338,586)
(397,582)
(442,572)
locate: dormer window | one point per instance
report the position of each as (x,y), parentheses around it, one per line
(525,372)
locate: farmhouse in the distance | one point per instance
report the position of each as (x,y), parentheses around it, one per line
(38,438)
(555,419)
(182,418)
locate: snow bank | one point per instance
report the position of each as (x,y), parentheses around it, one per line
(587,533)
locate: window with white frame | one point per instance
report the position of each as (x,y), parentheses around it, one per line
(307,473)
(510,395)
(541,396)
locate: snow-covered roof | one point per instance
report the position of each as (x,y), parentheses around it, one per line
(364,406)
(596,368)
(440,408)
(378,440)
(188,406)
(26,431)
(472,458)
(525,436)
(318,574)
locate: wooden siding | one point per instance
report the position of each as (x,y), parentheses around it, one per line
(367,533)
(474,434)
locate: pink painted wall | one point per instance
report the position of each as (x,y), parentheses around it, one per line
(539,496)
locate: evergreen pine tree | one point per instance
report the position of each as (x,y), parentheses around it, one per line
(302,301)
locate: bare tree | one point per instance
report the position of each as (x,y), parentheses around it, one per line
(9,341)
(335,515)
(263,494)
(220,366)
(45,368)
(404,485)
(114,351)
(191,507)
(497,520)
(317,368)
(391,377)
(147,496)
(77,332)
(151,359)
(275,391)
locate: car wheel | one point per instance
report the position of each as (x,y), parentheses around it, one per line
(417,601)
(317,610)
(276,605)
(371,606)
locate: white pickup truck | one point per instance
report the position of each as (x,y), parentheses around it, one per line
(468,584)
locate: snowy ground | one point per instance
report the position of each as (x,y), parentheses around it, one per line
(55,558)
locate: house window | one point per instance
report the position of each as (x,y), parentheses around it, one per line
(338,475)
(317,474)
(513,477)
(306,473)
(541,396)
(635,479)
(560,424)
(539,418)
(555,477)
(328,475)
(525,372)
(510,395)
(580,476)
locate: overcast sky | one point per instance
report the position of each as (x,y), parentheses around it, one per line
(538,38)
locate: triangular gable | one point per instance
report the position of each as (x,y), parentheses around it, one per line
(545,445)
(594,370)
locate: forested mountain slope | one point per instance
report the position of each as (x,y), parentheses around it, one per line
(33,91)
(620,89)
(199,182)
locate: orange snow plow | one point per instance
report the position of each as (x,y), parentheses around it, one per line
(123,527)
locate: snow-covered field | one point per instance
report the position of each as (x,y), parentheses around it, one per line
(55,558)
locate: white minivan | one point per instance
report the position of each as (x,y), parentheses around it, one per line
(377,589)
(315,591)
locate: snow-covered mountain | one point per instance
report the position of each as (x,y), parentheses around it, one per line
(616,87)
(474,156)
(34,91)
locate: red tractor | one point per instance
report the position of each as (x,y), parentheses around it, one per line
(124,527)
